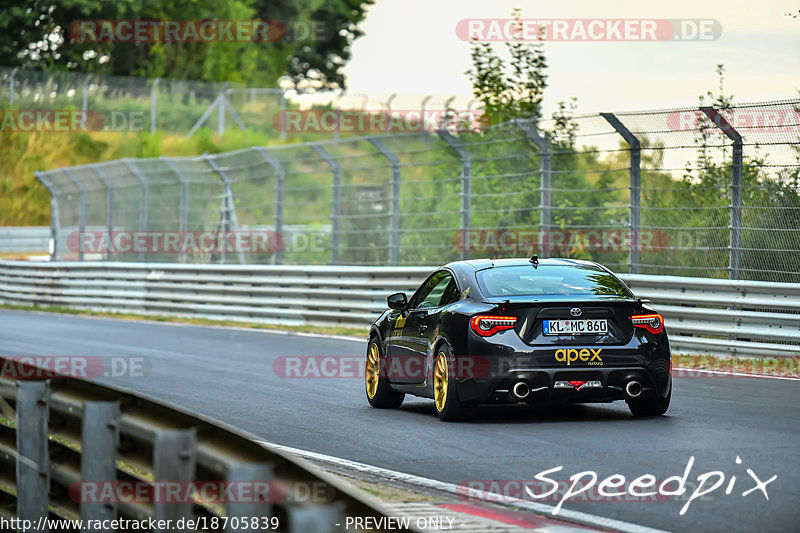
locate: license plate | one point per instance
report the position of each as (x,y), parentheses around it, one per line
(576,327)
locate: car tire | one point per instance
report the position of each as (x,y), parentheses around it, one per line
(379,393)
(650,406)
(445,394)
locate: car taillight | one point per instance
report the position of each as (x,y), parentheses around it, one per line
(653,323)
(488,325)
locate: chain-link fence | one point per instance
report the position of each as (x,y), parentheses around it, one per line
(180,106)
(693,191)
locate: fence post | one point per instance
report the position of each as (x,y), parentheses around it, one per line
(735,238)
(153,95)
(11,86)
(174,456)
(221,111)
(528,128)
(85,93)
(280,181)
(336,205)
(283,115)
(33,458)
(183,224)
(635,188)
(145,196)
(216,104)
(466,187)
(109,205)
(394,208)
(55,224)
(99,440)
(82,214)
(228,209)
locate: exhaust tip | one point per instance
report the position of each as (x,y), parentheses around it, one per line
(633,389)
(521,390)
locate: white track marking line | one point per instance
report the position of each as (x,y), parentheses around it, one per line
(539,508)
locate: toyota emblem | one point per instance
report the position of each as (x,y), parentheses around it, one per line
(575,311)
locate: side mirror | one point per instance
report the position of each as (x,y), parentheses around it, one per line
(397,300)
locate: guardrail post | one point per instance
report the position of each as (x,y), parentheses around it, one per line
(394,209)
(183,223)
(528,128)
(55,223)
(109,205)
(82,206)
(153,95)
(735,238)
(318,518)
(33,458)
(635,188)
(466,187)
(145,196)
(280,182)
(99,441)
(228,210)
(253,474)
(174,456)
(336,204)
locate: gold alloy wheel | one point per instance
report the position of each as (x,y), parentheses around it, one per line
(373,370)
(440,381)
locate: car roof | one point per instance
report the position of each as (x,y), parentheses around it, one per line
(483,264)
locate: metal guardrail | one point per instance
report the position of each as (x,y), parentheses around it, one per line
(57,432)
(712,316)
(25,239)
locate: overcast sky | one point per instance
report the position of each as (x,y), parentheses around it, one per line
(411,48)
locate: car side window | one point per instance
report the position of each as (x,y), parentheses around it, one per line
(434,292)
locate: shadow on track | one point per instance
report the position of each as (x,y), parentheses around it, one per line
(526,414)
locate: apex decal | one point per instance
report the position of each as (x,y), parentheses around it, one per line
(590,356)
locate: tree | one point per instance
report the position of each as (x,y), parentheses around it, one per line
(514,90)
(35,34)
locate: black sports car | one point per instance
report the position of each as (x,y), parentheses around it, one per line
(519,330)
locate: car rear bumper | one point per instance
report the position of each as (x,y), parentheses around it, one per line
(501,363)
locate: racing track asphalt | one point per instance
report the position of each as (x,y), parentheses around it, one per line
(228,374)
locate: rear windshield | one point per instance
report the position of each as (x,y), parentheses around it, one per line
(547,281)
